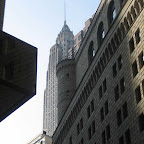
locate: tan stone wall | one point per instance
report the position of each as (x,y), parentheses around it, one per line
(90,77)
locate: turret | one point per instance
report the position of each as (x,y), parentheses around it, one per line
(66,85)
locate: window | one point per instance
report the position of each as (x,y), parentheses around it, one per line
(106,108)
(141,122)
(92,105)
(89,133)
(104,85)
(100,33)
(117,66)
(131,45)
(102,114)
(119,118)
(138,36)
(120,113)
(82,141)
(90,108)
(111,14)
(103,137)
(127,137)
(80,37)
(120,62)
(93,127)
(141,60)
(108,132)
(78,129)
(138,94)
(104,111)
(122,85)
(125,111)
(143,86)
(80,126)
(121,140)
(91,52)
(70,140)
(75,40)
(116,92)
(91,130)
(134,68)
(88,111)
(100,92)
(114,70)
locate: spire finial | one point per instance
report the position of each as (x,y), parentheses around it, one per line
(64,12)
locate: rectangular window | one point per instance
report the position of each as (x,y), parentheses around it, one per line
(120,62)
(103,137)
(127,137)
(138,36)
(104,86)
(116,92)
(119,118)
(81,124)
(82,141)
(93,127)
(141,122)
(88,111)
(102,114)
(131,45)
(138,94)
(114,70)
(89,133)
(100,92)
(143,86)
(108,132)
(122,85)
(92,105)
(70,140)
(106,108)
(121,140)
(75,40)
(125,111)
(141,60)
(78,129)
(80,37)
(134,68)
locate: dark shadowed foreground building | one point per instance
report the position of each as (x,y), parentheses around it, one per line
(18,68)
(101,90)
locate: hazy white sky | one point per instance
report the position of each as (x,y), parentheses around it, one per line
(38,23)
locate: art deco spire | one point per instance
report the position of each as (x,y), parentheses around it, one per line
(64,12)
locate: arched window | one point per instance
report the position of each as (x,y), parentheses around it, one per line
(100,33)
(111,14)
(91,52)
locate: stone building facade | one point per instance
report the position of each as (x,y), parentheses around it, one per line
(108,103)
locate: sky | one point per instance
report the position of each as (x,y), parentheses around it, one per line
(38,22)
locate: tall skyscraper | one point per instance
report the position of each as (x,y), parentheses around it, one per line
(58,52)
